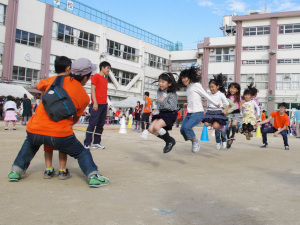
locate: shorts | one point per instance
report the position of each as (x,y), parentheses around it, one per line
(169,117)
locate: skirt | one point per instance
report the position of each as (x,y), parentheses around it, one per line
(10,115)
(236,117)
(169,117)
(212,116)
(250,118)
(137,117)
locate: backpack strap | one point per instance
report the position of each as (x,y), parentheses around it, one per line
(59,80)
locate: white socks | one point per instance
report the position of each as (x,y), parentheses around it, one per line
(161,132)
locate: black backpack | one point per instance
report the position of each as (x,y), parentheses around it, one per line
(57,102)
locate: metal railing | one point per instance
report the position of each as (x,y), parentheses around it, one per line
(114,23)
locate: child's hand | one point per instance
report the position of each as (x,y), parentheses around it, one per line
(219,105)
(257,118)
(224,112)
(162,98)
(242,102)
(276,134)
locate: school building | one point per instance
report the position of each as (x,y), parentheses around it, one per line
(263,48)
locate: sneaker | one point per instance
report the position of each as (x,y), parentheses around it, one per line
(86,146)
(13,176)
(98,146)
(229,143)
(196,146)
(224,145)
(14,128)
(49,174)
(169,145)
(250,135)
(6,128)
(97,180)
(264,146)
(64,175)
(286,148)
(218,146)
(247,136)
(144,134)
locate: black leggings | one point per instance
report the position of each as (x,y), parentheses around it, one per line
(247,127)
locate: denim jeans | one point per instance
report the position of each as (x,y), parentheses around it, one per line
(273,130)
(69,145)
(97,120)
(221,133)
(191,120)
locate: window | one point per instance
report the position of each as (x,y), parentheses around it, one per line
(251,31)
(255,48)
(25,74)
(2,14)
(150,84)
(288,81)
(287,61)
(255,61)
(156,61)
(222,55)
(125,52)
(291,46)
(27,38)
(122,77)
(260,80)
(75,36)
(289,28)
(229,79)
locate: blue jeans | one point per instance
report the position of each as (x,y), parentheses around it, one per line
(191,120)
(97,120)
(264,133)
(69,145)
(221,133)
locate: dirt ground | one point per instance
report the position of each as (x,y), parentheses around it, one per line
(242,185)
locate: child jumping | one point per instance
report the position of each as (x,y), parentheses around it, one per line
(215,116)
(167,101)
(191,79)
(234,94)
(249,119)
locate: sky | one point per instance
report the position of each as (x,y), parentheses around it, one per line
(186,21)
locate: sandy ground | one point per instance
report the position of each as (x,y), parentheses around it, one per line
(243,185)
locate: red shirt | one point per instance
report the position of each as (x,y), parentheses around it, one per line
(138,109)
(101,88)
(179,115)
(117,114)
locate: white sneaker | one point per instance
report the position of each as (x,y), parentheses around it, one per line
(196,146)
(98,146)
(224,144)
(86,146)
(218,146)
(213,133)
(144,134)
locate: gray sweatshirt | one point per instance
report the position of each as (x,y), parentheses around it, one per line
(170,102)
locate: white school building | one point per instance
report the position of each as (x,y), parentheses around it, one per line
(260,47)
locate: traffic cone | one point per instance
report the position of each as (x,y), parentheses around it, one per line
(129,123)
(123,126)
(204,135)
(258,132)
(107,121)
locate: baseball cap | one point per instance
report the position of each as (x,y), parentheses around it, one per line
(82,66)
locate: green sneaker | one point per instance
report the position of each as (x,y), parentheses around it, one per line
(13,176)
(98,181)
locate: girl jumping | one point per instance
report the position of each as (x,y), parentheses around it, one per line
(191,79)
(167,101)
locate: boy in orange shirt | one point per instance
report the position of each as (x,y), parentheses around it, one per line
(281,122)
(147,111)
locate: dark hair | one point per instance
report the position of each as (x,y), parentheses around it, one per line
(61,63)
(283,104)
(104,64)
(237,94)
(25,96)
(252,88)
(146,93)
(138,102)
(10,98)
(247,92)
(169,77)
(264,111)
(80,77)
(193,73)
(219,80)
(298,108)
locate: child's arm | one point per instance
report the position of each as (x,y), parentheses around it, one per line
(204,94)
(93,92)
(225,102)
(257,110)
(277,132)
(263,122)
(231,106)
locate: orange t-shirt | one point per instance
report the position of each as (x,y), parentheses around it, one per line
(40,122)
(117,114)
(101,88)
(185,113)
(148,103)
(263,117)
(178,115)
(280,121)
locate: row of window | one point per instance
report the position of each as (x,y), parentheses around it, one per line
(27,38)
(74,36)
(255,61)
(122,77)
(123,51)
(24,74)
(259,48)
(287,61)
(262,30)
(222,55)
(156,61)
